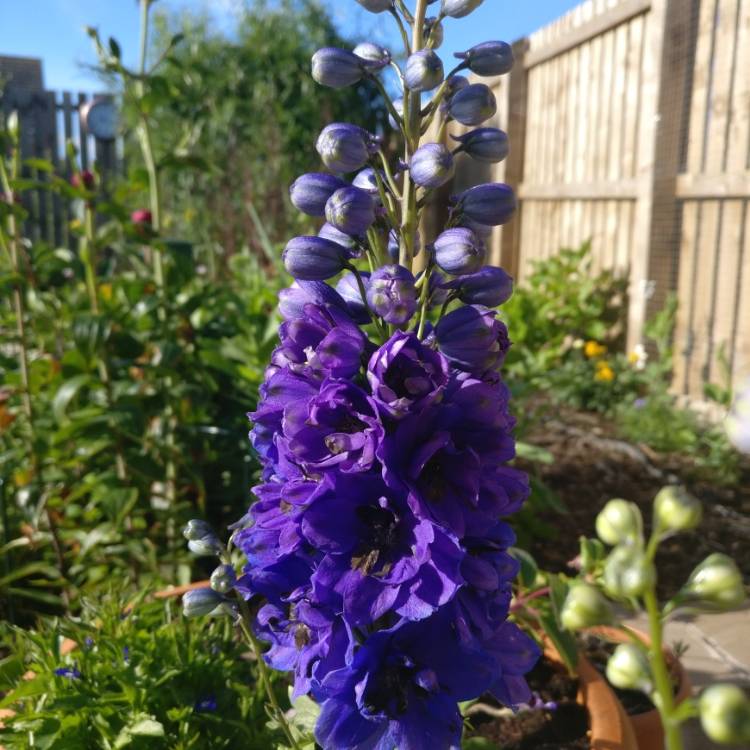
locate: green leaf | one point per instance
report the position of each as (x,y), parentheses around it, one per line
(478,743)
(529,569)
(534,453)
(148,727)
(66,393)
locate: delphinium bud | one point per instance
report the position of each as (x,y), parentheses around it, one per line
(725,714)
(628,572)
(201,602)
(392,295)
(490,286)
(714,584)
(310,192)
(344,147)
(394,247)
(675,509)
(619,522)
(336,68)
(350,210)
(458,251)
(366,180)
(472,104)
(329,232)
(431,165)
(424,71)
(313,258)
(293,299)
(628,668)
(482,231)
(196,529)
(376,6)
(223,579)
(349,290)
(472,338)
(491,204)
(433,31)
(488,58)
(585,607)
(488,145)
(459,8)
(202,540)
(374,56)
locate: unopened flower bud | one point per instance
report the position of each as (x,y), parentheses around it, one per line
(675,509)
(329,232)
(459,8)
(715,584)
(223,579)
(472,338)
(489,286)
(491,204)
(336,68)
(349,290)
(141,217)
(488,145)
(585,607)
(310,192)
(619,522)
(628,669)
(433,31)
(201,602)
(292,300)
(206,546)
(488,58)
(313,258)
(344,147)
(725,714)
(431,165)
(373,55)
(376,6)
(424,71)
(472,104)
(84,179)
(392,295)
(197,529)
(367,180)
(350,210)
(394,246)
(628,572)
(458,251)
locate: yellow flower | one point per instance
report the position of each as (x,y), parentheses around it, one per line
(604,372)
(106,291)
(593,350)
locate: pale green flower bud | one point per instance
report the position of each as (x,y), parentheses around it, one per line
(585,607)
(619,521)
(628,669)
(628,572)
(676,510)
(223,579)
(201,602)
(715,584)
(725,714)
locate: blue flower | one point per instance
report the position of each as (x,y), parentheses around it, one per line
(69,673)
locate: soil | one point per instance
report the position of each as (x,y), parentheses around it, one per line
(565,728)
(591,466)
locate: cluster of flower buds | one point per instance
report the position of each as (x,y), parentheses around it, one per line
(376,558)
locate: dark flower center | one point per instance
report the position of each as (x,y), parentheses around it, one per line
(391,689)
(381,542)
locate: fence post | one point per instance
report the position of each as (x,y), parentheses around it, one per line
(510,247)
(667,65)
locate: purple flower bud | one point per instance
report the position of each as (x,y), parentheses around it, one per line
(438,292)
(348,288)
(376,6)
(491,204)
(375,57)
(489,286)
(313,258)
(200,602)
(329,232)
(310,192)
(488,58)
(454,84)
(484,144)
(459,8)
(336,67)
(424,71)
(392,295)
(344,147)
(459,251)
(350,210)
(431,165)
(366,180)
(223,579)
(473,339)
(292,300)
(393,245)
(433,27)
(473,104)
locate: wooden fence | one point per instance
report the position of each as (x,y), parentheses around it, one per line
(48,121)
(629,124)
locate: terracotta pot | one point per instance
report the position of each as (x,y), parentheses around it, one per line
(648,728)
(610,727)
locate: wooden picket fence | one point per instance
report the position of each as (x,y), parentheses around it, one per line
(629,124)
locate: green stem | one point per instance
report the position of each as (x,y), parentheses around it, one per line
(401,28)
(424,299)
(662,681)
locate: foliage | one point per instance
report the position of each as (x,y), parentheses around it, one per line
(141,676)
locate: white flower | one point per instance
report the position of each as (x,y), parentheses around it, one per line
(638,357)
(737,424)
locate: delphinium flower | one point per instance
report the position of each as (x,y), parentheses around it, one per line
(377,552)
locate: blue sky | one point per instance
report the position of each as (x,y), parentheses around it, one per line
(53,29)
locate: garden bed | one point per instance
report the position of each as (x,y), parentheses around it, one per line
(591,465)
